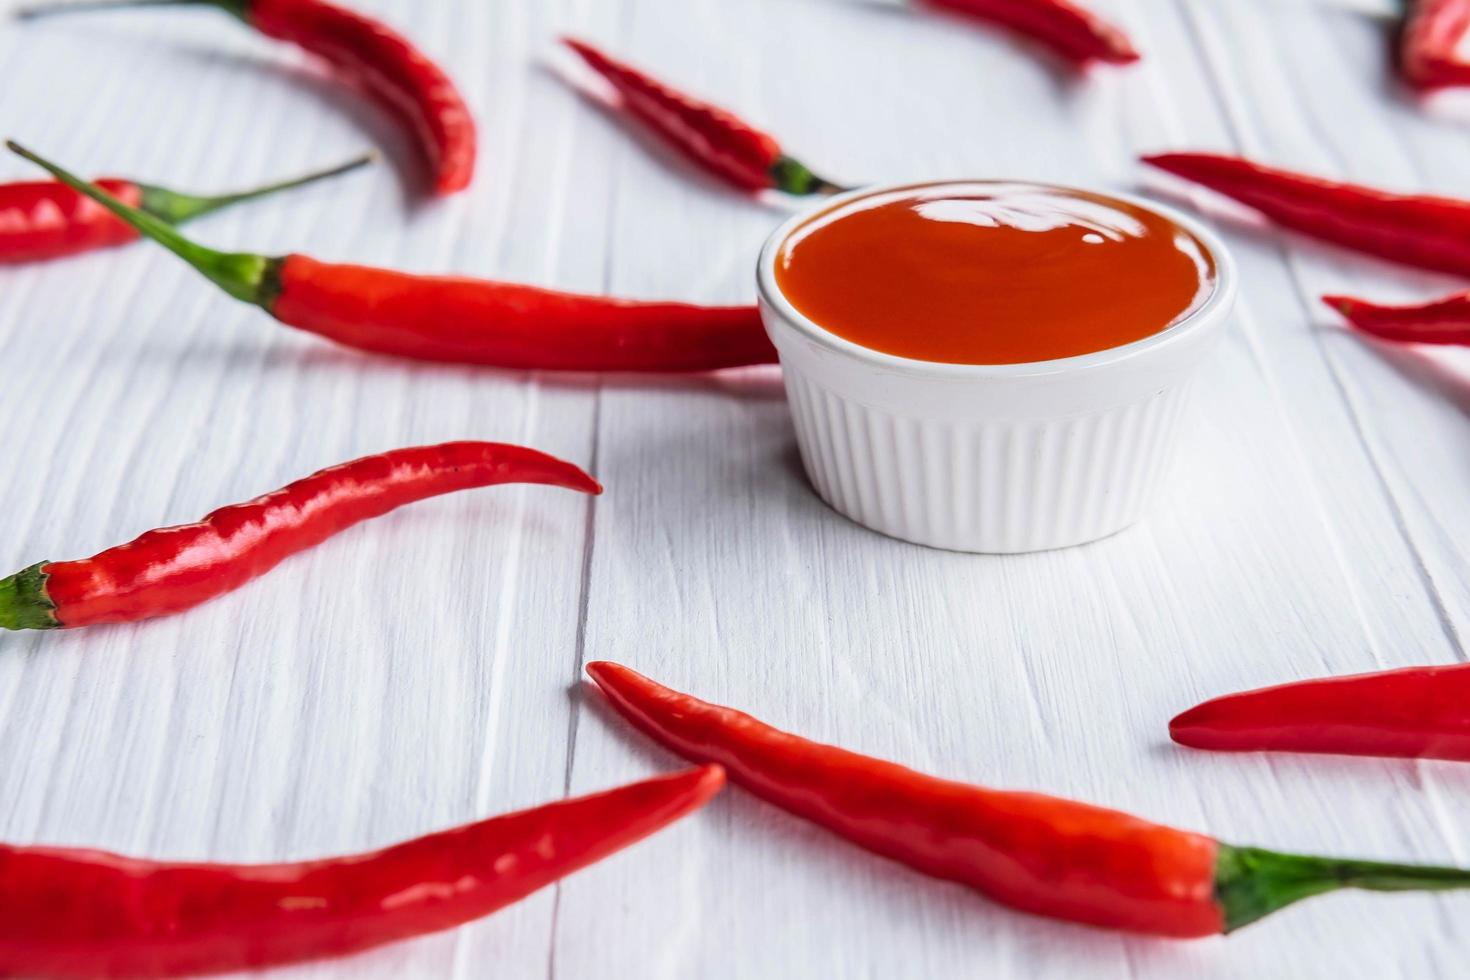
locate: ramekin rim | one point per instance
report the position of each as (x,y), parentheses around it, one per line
(1215,306)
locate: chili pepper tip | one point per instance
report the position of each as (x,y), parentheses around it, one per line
(1160,160)
(1183,726)
(712,777)
(1342,304)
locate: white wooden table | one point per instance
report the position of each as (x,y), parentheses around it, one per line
(425,670)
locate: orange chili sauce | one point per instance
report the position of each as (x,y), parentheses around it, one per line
(993,273)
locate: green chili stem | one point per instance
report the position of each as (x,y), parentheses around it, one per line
(791,176)
(240,8)
(175,207)
(1251,883)
(24,604)
(244,275)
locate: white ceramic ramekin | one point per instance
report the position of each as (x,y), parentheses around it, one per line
(989,458)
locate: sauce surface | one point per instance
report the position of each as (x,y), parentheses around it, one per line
(993,273)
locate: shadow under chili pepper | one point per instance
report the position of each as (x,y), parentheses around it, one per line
(393,534)
(375,125)
(756,384)
(1450,106)
(343,101)
(638,133)
(1065,77)
(398,533)
(759,383)
(1420,367)
(587,698)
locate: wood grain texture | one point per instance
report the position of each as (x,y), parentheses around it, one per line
(425,670)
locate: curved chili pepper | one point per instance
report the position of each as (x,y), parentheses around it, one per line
(1442,321)
(464,321)
(1414,229)
(714,139)
(1071,31)
(75,913)
(176,568)
(1037,853)
(1414,713)
(47,220)
(364,52)
(1429,57)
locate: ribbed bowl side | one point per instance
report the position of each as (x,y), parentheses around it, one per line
(997,485)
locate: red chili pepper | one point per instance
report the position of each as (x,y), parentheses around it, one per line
(1442,321)
(465,321)
(1071,31)
(1037,853)
(712,138)
(364,52)
(1416,713)
(46,220)
(1415,229)
(1432,35)
(76,913)
(176,568)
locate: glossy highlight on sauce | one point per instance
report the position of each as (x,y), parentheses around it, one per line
(993,273)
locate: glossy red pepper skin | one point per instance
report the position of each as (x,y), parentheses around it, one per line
(1038,853)
(711,138)
(1042,854)
(1415,713)
(363,52)
(1442,321)
(399,76)
(75,913)
(1429,57)
(463,321)
(42,220)
(508,325)
(1414,229)
(173,569)
(1070,30)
